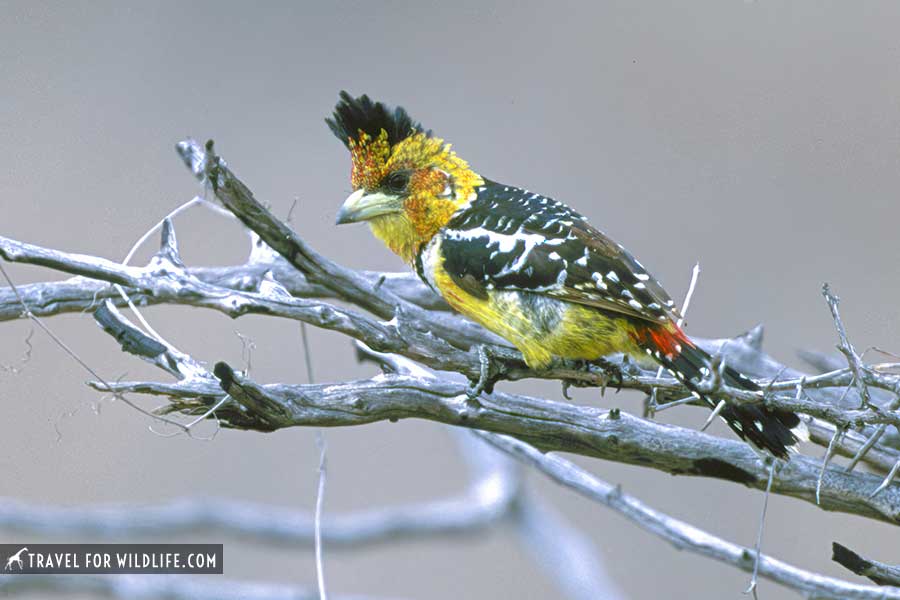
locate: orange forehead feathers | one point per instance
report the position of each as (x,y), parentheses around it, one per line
(369,159)
(373,158)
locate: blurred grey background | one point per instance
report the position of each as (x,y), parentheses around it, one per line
(760,138)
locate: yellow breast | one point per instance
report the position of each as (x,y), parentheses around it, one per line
(541,327)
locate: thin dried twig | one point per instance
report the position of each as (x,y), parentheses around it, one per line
(106,387)
(867,446)
(846,348)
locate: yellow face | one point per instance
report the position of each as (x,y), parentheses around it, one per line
(406,192)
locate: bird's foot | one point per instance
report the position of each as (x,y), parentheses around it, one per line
(613,374)
(575,365)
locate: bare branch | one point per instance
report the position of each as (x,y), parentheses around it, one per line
(610,435)
(404,335)
(684,536)
(80,294)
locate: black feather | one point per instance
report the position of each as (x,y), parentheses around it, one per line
(766,427)
(352,115)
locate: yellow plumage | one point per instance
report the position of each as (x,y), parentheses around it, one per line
(580,333)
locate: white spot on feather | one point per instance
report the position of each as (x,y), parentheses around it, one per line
(598,279)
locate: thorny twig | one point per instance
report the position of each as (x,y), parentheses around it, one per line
(880,457)
(846,348)
(887,479)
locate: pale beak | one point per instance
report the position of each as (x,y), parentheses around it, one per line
(360,206)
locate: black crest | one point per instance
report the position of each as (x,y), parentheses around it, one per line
(352,115)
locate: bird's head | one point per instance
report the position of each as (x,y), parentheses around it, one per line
(407,183)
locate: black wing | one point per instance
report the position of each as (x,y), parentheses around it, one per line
(512,239)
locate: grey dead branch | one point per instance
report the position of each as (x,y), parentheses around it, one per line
(850,407)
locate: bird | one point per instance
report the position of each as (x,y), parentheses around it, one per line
(523,265)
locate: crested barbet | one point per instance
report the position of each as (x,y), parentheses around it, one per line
(523,265)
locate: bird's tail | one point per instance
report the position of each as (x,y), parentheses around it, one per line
(769,429)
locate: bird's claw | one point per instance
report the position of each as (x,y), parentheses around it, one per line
(574,365)
(613,374)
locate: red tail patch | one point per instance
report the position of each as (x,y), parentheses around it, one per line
(669,339)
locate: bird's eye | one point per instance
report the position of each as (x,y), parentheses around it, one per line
(397,182)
